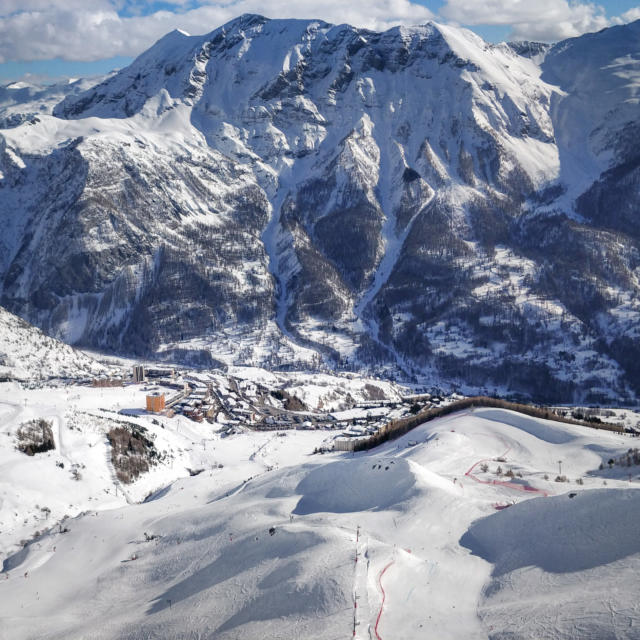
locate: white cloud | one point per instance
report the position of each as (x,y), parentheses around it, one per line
(10,7)
(87,30)
(94,29)
(547,20)
(631,15)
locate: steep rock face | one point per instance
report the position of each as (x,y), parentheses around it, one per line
(138,248)
(279,191)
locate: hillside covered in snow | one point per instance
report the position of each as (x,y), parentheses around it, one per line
(290,193)
(28,354)
(462,529)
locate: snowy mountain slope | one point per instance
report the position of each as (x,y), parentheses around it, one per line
(78,473)
(28,354)
(37,492)
(25,102)
(597,133)
(277,192)
(421,521)
(527,553)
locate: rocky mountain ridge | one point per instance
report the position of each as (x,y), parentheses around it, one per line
(417,203)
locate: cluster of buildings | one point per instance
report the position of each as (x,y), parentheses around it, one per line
(233,403)
(107,382)
(377,416)
(198,402)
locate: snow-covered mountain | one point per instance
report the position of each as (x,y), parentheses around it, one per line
(22,102)
(28,354)
(283,192)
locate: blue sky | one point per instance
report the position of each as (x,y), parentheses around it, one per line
(47,39)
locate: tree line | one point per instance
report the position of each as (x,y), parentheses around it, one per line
(396,428)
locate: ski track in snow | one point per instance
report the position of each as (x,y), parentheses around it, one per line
(384,597)
(511,485)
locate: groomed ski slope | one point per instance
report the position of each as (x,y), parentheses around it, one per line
(398,540)
(38,492)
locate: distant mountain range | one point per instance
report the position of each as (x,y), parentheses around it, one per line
(417,203)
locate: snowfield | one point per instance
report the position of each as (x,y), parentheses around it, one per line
(562,565)
(410,540)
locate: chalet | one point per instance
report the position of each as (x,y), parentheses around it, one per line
(343,444)
(346,444)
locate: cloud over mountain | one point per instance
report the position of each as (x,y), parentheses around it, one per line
(545,20)
(92,30)
(99,29)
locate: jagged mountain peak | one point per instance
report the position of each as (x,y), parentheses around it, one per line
(416,201)
(179,63)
